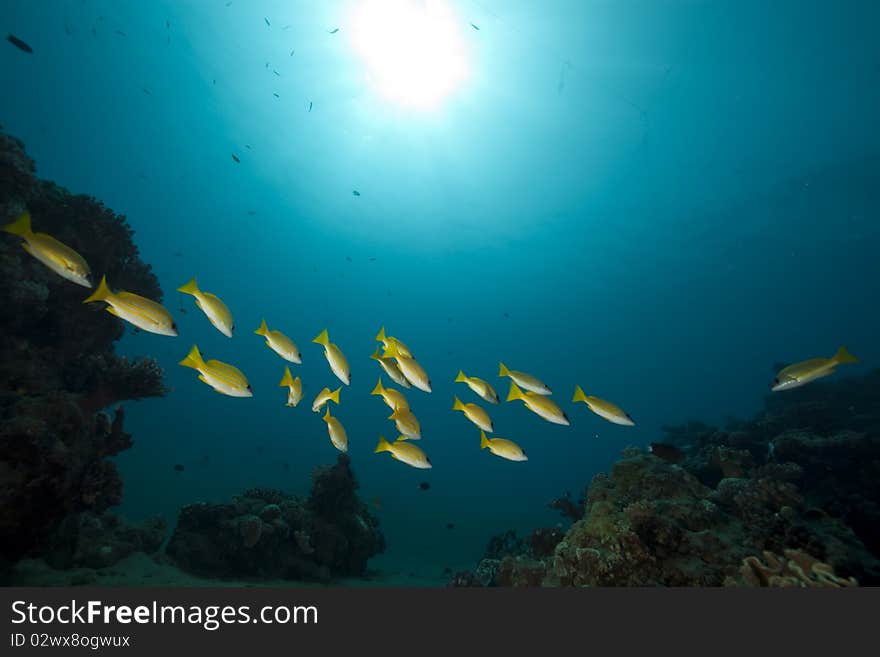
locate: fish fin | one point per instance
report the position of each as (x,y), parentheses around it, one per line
(579,395)
(457,405)
(335,395)
(394,414)
(323,338)
(113,311)
(461,378)
(263,330)
(21,226)
(327,415)
(383,446)
(502,370)
(203,379)
(375,355)
(515,392)
(484,442)
(189,288)
(380,336)
(101,294)
(287,379)
(193,359)
(391,351)
(378,390)
(843,356)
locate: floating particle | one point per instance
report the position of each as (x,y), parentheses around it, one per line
(310,106)
(355,192)
(424,485)
(333,31)
(450,525)
(276,95)
(475,27)
(178,468)
(373,259)
(235,158)
(267,22)
(120,33)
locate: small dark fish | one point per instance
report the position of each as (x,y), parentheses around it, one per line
(310,106)
(267,22)
(18,43)
(355,192)
(333,31)
(251,213)
(667,452)
(120,33)
(292,51)
(178,468)
(348,258)
(214,81)
(146,91)
(373,259)
(450,525)
(247,146)
(276,73)
(235,157)
(267,64)
(229,3)
(507,314)
(286,466)
(183,310)
(167,24)
(475,27)
(94,32)
(276,95)
(424,485)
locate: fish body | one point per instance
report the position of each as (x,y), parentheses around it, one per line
(393,398)
(18,43)
(294,387)
(210,304)
(667,452)
(335,357)
(135,309)
(57,256)
(337,432)
(802,373)
(388,342)
(405,452)
(222,377)
(602,408)
(391,369)
(474,413)
(280,343)
(413,372)
(482,388)
(325,396)
(406,423)
(523,380)
(506,449)
(539,404)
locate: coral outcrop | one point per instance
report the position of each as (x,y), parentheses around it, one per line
(265,533)
(58,369)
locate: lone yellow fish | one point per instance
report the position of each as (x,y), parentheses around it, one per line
(393,398)
(135,309)
(506,449)
(210,304)
(802,373)
(325,396)
(391,369)
(527,381)
(280,343)
(413,372)
(482,388)
(538,404)
(474,413)
(335,357)
(337,432)
(294,388)
(57,256)
(387,341)
(222,377)
(404,452)
(602,408)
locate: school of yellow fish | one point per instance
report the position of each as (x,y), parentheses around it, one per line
(395,359)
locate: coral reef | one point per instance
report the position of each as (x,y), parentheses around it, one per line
(58,369)
(266,533)
(801,479)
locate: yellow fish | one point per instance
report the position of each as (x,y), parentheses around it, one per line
(135,309)
(223,377)
(323,397)
(482,388)
(294,388)
(279,343)
(406,423)
(602,408)
(337,432)
(801,373)
(413,372)
(538,404)
(474,413)
(387,341)
(57,256)
(527,381)
(393,398)
(391,369)
(506,449)
(335,357)
(405,453)
(214,309)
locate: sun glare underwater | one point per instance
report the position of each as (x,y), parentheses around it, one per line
(438,292)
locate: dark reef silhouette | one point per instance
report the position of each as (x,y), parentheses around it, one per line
(791,498)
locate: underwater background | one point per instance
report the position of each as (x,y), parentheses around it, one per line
(657,200)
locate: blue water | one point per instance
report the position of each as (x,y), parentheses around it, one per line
(655,199)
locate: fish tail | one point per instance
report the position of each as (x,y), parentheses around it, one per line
(383,446)
(263,330)
(21,226)
(327,415)
(461,378)
(502,370)
(193,359)
(484,442)
(189,288)
(394,415)
(101,294)
(379,389)
(457,405)
(335,395)
(579,395)
(391,351)
(843,356)
(323,338)
(375,355)
(287,379)
(515,392)
(380,336)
